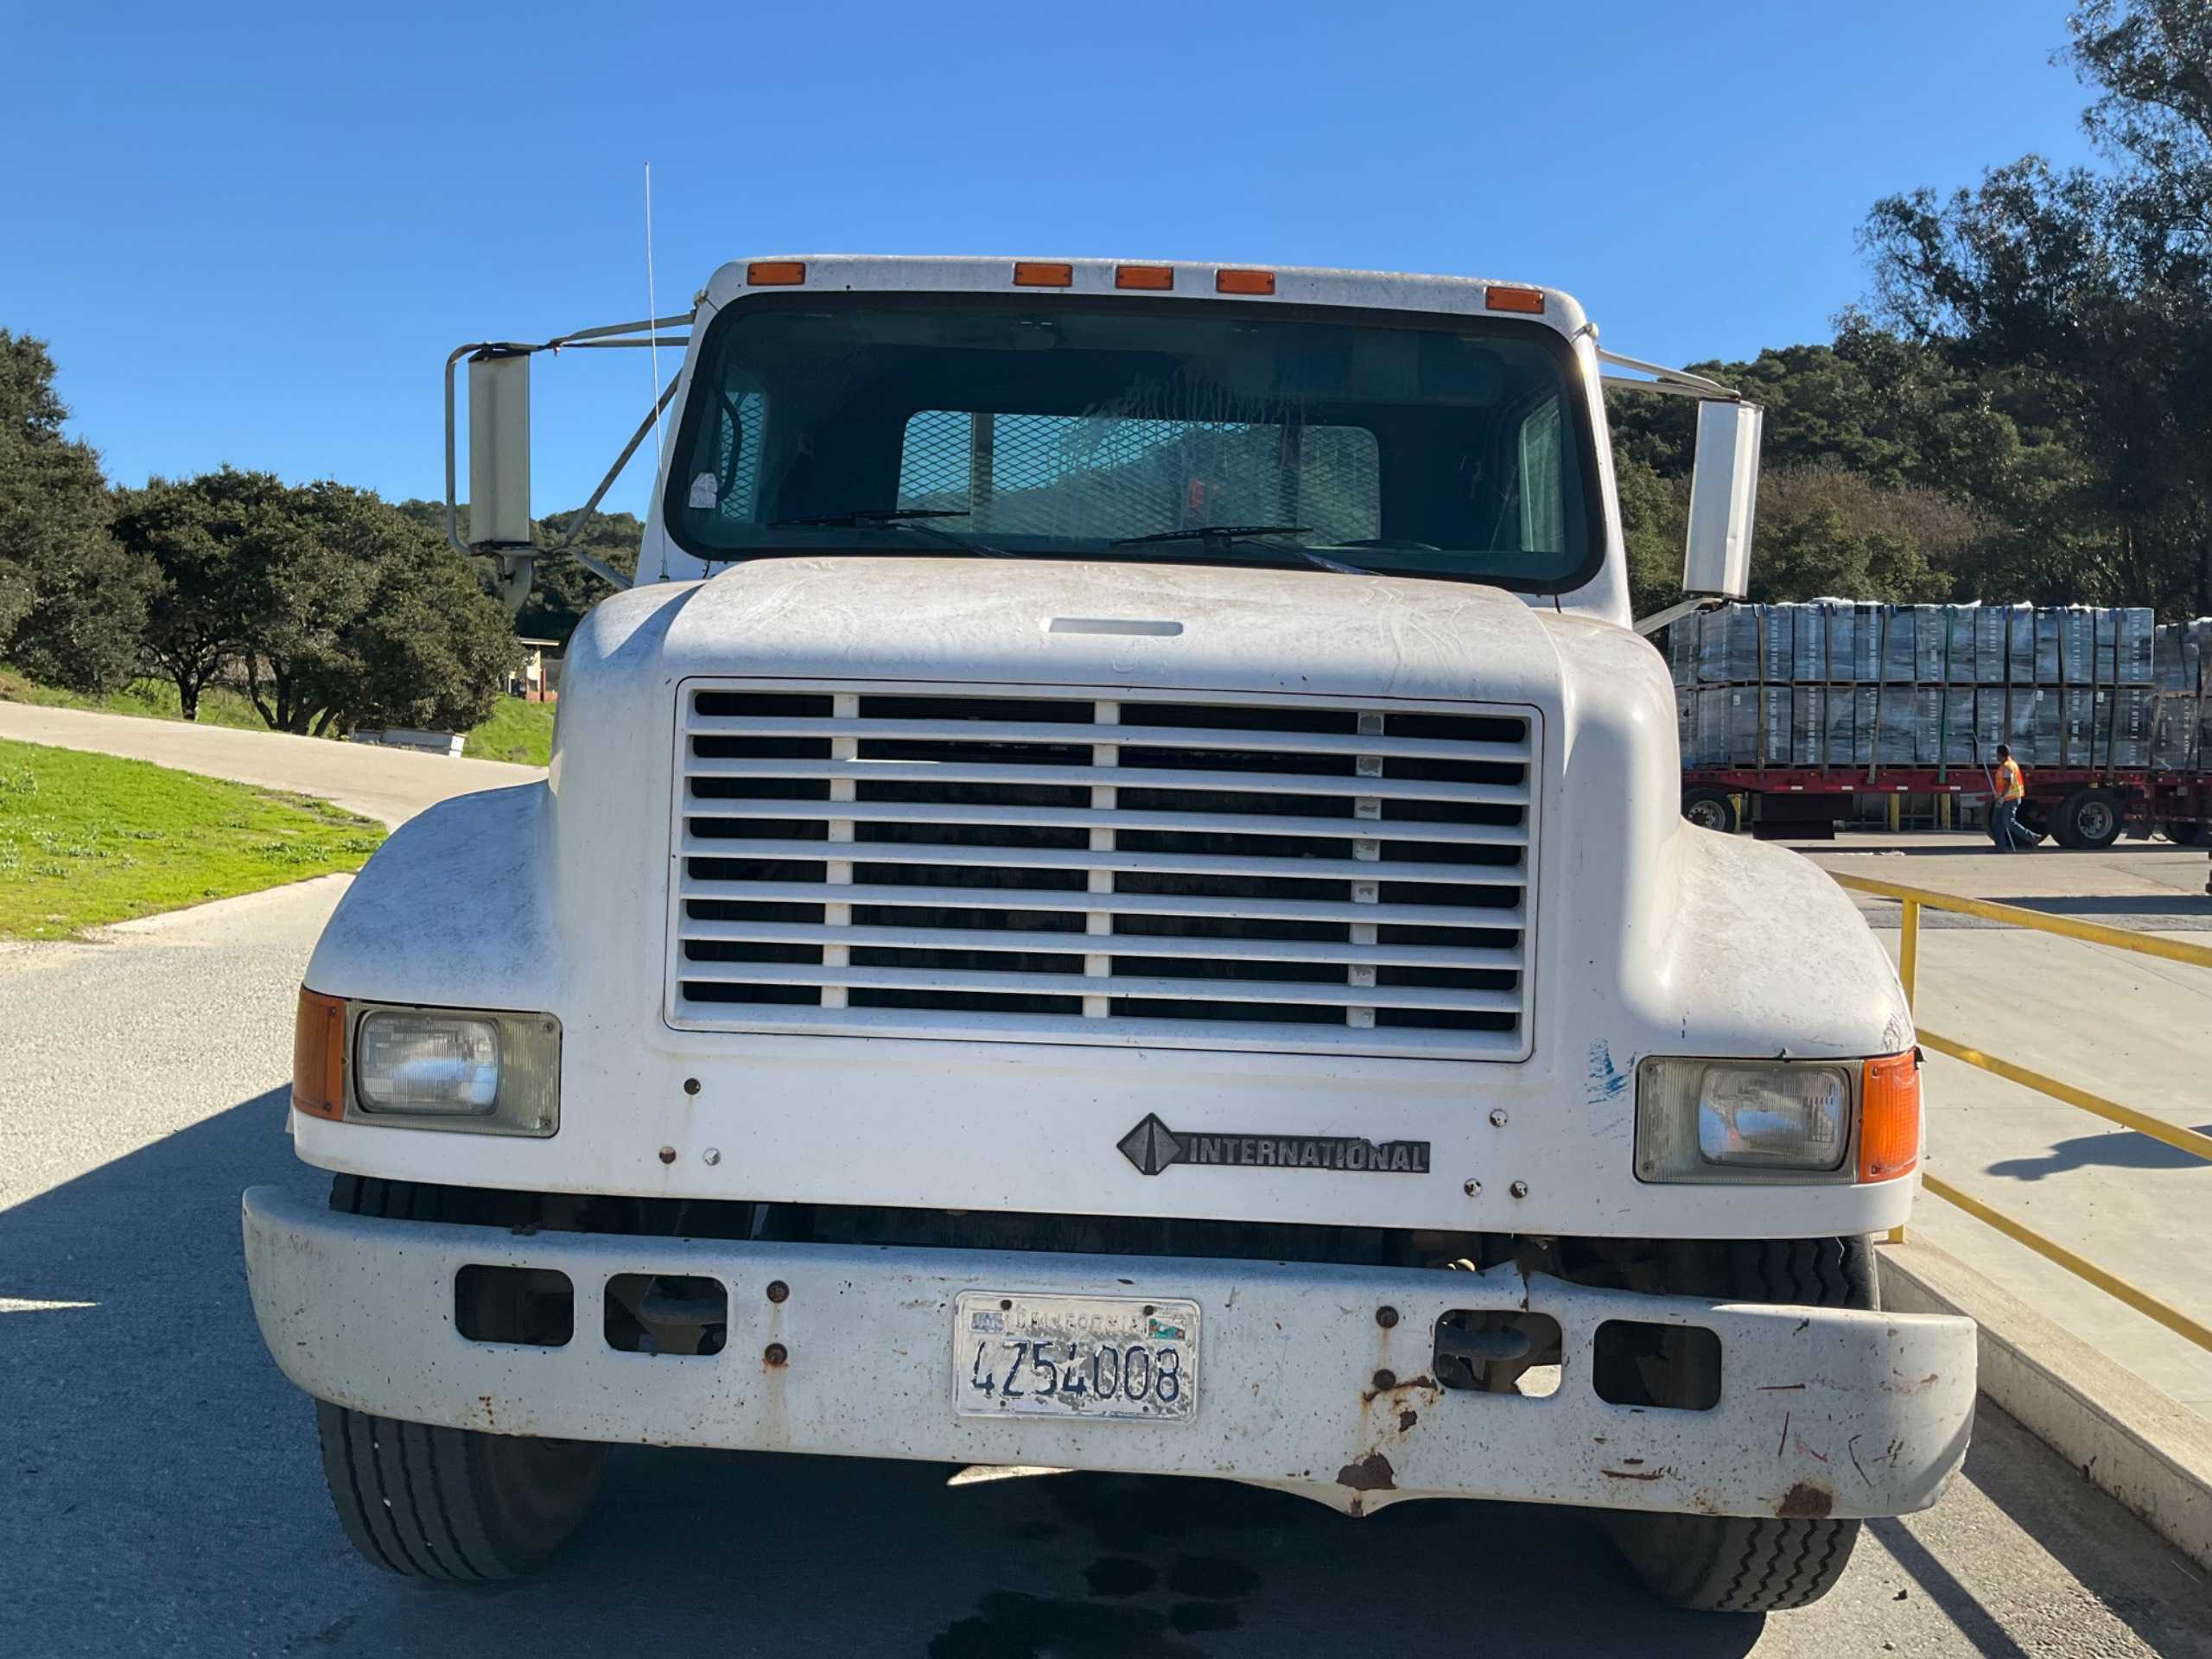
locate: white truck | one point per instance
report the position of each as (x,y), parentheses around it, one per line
(1112,898)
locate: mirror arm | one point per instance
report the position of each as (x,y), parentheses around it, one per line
(1681,383)
(514,560)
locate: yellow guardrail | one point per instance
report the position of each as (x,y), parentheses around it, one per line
(1912,901)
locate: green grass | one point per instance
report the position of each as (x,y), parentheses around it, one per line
(518,731)
(86,839)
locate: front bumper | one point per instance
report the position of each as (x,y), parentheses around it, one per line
(1822,1411)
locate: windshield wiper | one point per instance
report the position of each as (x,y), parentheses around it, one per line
(893,519)
(1220,537)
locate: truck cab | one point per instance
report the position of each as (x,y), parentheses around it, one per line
(1111,898)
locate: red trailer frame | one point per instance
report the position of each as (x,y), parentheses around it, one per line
(2077,806)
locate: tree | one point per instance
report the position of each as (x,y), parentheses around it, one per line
(359,614)
(561,590)
(71,600)
(201,538)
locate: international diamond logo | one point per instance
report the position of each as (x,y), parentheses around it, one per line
(1151,1146)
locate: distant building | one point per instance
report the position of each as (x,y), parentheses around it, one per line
(539,679)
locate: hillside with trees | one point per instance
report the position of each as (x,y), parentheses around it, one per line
(2019,408)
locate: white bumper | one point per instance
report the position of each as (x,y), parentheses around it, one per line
(1822,1411)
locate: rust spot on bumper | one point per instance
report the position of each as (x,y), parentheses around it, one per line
(1806,1501)
(1372,1473)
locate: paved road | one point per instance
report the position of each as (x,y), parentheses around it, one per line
(161,1494)
(392,784)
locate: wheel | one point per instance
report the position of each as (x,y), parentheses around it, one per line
(1744,1564)
(451,1504)
(2088,820)
(1711,809)
(2035,819)
(2189,833)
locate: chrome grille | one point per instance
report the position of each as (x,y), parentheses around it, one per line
(1287,875)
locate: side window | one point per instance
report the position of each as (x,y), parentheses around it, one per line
(1543,508)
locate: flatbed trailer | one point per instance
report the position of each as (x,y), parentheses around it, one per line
(2079,807)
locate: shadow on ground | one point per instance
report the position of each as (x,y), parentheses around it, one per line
(2118,1149)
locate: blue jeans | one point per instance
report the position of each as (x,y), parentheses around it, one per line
(2006,830)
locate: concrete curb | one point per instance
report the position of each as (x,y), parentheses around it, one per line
(2151,1453)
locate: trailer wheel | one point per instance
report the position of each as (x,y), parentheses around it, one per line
(1744,1564)
(1711,809)
(450,1504)
(2190,833)
(2088,820)
(2033,818)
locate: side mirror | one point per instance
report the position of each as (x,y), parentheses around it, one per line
(499,449)
(1724,490)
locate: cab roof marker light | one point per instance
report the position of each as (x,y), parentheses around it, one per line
(1043,273)
(1529,301)
(1154,278)
(775,273)
(1243,282)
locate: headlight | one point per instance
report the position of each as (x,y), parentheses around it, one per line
(1745,1121)
(466,1069)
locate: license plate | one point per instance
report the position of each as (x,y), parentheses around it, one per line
(1125,1356)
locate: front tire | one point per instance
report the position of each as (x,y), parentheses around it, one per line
(448,1503)
(2088,821)
(1746,1564)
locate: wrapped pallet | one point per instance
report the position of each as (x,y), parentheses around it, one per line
(1959,748)
(1958,655)
(1776,718)
(2174,731)
(2135,629)
(1899,630)
(2077,644)
(2020,644)
(1841,705)
(1809,643)
(1992,624)
(1808,727)
(2122,734)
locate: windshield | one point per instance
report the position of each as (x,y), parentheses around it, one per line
(1404,445)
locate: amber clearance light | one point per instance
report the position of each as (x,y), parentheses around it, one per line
(1889,1117)
(1529,300)
(319,1055)
(775,273)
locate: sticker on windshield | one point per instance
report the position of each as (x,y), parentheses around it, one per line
(705,491)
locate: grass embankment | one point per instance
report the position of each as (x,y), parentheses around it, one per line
(518,731)
(89,838)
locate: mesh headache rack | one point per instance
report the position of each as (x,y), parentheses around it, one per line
(1175,870)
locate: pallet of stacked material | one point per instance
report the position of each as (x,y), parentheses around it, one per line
(1893,735)
(1958,647)
(1898,628)
(1988,722)
(2050,625)
(1778,643)
(2077,644)
(2023,726)
(1686,727)
(1866,632)
(1682,649)
(1957,739)
(1924,720)
(1808,727)
(1728,646)
(1775,717)
(1865,723)
(2174,731)
(1992,624)
(1839,709)
(2136,625)
(2020,644)
(2077,726)
(1809,643)
(1931,641)
(1727,725)
(2122,735)
(2108,646)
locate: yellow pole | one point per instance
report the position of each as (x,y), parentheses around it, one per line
(1908,949)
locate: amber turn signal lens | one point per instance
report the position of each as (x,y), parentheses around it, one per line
(1042,273)
(1889,1117)
(1531,300)
(1243,282)
(319,1055)
(1154,276)
(775,273)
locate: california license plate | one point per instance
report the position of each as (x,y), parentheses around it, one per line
(1129,1357)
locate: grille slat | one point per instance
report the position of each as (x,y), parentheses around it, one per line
(1294,876)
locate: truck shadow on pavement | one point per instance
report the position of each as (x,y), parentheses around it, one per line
(2117,1149)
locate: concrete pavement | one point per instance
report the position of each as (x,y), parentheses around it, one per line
(392,784)
(2132,1028)
(163,1495)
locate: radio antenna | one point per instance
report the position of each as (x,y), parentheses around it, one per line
(652,337)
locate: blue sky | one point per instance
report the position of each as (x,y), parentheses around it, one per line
(251,234)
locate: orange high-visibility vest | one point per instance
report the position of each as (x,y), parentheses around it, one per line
(2009,786)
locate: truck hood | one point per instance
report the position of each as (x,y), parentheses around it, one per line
(1050,622)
